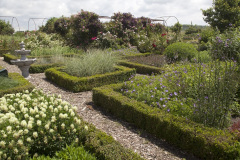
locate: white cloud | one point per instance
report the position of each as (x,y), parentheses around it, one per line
(185,11)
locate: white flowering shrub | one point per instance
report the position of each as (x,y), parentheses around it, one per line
(35,124)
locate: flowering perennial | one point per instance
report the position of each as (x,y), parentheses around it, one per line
(33,123)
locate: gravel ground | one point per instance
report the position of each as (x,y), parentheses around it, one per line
(144,144)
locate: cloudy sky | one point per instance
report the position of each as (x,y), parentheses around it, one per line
(185,11)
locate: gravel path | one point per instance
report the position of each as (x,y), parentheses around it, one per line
(144,144)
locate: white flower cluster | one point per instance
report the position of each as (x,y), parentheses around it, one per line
(27,119)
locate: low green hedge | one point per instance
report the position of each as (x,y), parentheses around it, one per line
(106,148)
(40,68)
(3,51)
(9,57)
(79,84)
(141,68)
(203,142)
(23,84)
(136,55)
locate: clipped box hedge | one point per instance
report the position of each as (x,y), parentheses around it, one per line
(79,84)
(3,51)
(136,55)
(141,68)
(203,142)
(106,148)
(40,68)
(9,57)
(23,84)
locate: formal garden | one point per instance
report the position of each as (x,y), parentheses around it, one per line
(179,86)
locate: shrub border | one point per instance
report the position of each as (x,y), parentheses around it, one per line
(136,55)
(23,85)
(8,57)
(40,68)
(106,147)
(203,142)
(79,84)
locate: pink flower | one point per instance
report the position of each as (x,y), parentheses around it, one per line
(94,38)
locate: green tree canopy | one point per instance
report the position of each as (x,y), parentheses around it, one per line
(223,13)
(6,28)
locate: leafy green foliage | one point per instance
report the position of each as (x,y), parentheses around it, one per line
(202,57)
(6,28)
(191,90)
(206,34)
(223,13)
(70,152)
(226,46)
(61,26)
(180,51)
(85,28)
(49,26)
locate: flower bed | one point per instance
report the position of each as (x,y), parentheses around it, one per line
(78,84)
(204,142)
(34,124)
(22,85)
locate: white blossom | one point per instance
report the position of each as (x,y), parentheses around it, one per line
(35,134)
(39,123)
(2,144)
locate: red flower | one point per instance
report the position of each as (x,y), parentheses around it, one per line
(164,34)
(154,45)
(167,41)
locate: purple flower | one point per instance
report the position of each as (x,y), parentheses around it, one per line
(155,87)
(152,96)
(168,110)
(175,93)
(161,99)
(206,97)
(164,105)
(166,90)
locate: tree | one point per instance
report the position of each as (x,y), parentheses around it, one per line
(49,27)
(222,14)
(6,28)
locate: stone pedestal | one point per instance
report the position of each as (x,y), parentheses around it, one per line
(25,71)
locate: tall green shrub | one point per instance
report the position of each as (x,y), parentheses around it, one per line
(6,28)
(85,27)
(180,52)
